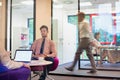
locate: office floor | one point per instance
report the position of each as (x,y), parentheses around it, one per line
(61,74)
(105,66)
(56,77)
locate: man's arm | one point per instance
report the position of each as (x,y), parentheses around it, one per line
(33,47)
(53,52)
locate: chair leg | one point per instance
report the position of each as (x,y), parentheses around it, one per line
(97,60)
(36,73)
(50,77)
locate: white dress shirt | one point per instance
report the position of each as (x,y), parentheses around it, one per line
(84,30)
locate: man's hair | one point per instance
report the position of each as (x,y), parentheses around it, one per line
(44,26)
(97,33)
(81,14)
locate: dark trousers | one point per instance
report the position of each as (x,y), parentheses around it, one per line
(84,45)
(47,68)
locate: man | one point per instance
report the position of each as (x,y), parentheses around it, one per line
(44,47)
(85,37)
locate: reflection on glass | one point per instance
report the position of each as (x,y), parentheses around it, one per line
(105,25)
(64,26)
(31,30)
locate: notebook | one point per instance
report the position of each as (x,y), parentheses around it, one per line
(23,56)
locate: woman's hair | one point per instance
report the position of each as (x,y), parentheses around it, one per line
(96,34)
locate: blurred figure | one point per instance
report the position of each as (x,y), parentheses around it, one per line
(85,37)
(96,48)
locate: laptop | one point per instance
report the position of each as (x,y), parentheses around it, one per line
(23,56)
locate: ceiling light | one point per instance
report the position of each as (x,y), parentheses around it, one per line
(55,0)
(85,4)
(58,6)
(0,3)
(27,2)
(68,2)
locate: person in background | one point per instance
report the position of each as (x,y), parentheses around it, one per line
(86,38)
(96,44)
(97,36)
(96,48)
(44,47)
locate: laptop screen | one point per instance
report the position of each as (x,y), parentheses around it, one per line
(23,55)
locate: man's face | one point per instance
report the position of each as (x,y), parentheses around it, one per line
(80,18)
(44,32)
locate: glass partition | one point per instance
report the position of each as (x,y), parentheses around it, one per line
(64,29)
(102,15)
(104,18)
(22,24)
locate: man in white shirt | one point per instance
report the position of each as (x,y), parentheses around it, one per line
(85,39)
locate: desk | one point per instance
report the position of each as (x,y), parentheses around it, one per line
(113,53)
(109,47)
(114,56)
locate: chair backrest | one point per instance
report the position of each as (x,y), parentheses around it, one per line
(55,64)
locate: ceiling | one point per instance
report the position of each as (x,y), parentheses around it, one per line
(73,4)
(64,4)
(22,6)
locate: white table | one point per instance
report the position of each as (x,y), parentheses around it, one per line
(39,63)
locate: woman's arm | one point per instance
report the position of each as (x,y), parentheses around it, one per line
(10,64)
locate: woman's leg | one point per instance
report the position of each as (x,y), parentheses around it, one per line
(103,56)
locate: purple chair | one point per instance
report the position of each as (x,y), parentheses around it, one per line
(55,65)
(37,70)
(14,74)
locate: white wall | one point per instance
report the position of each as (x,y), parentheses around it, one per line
(66,36)
(57,15)
(20,19)
(19,26)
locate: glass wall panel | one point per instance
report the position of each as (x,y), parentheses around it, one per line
(22,24)
(102,15)
(64,29)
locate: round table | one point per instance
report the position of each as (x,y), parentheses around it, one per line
(38,65)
